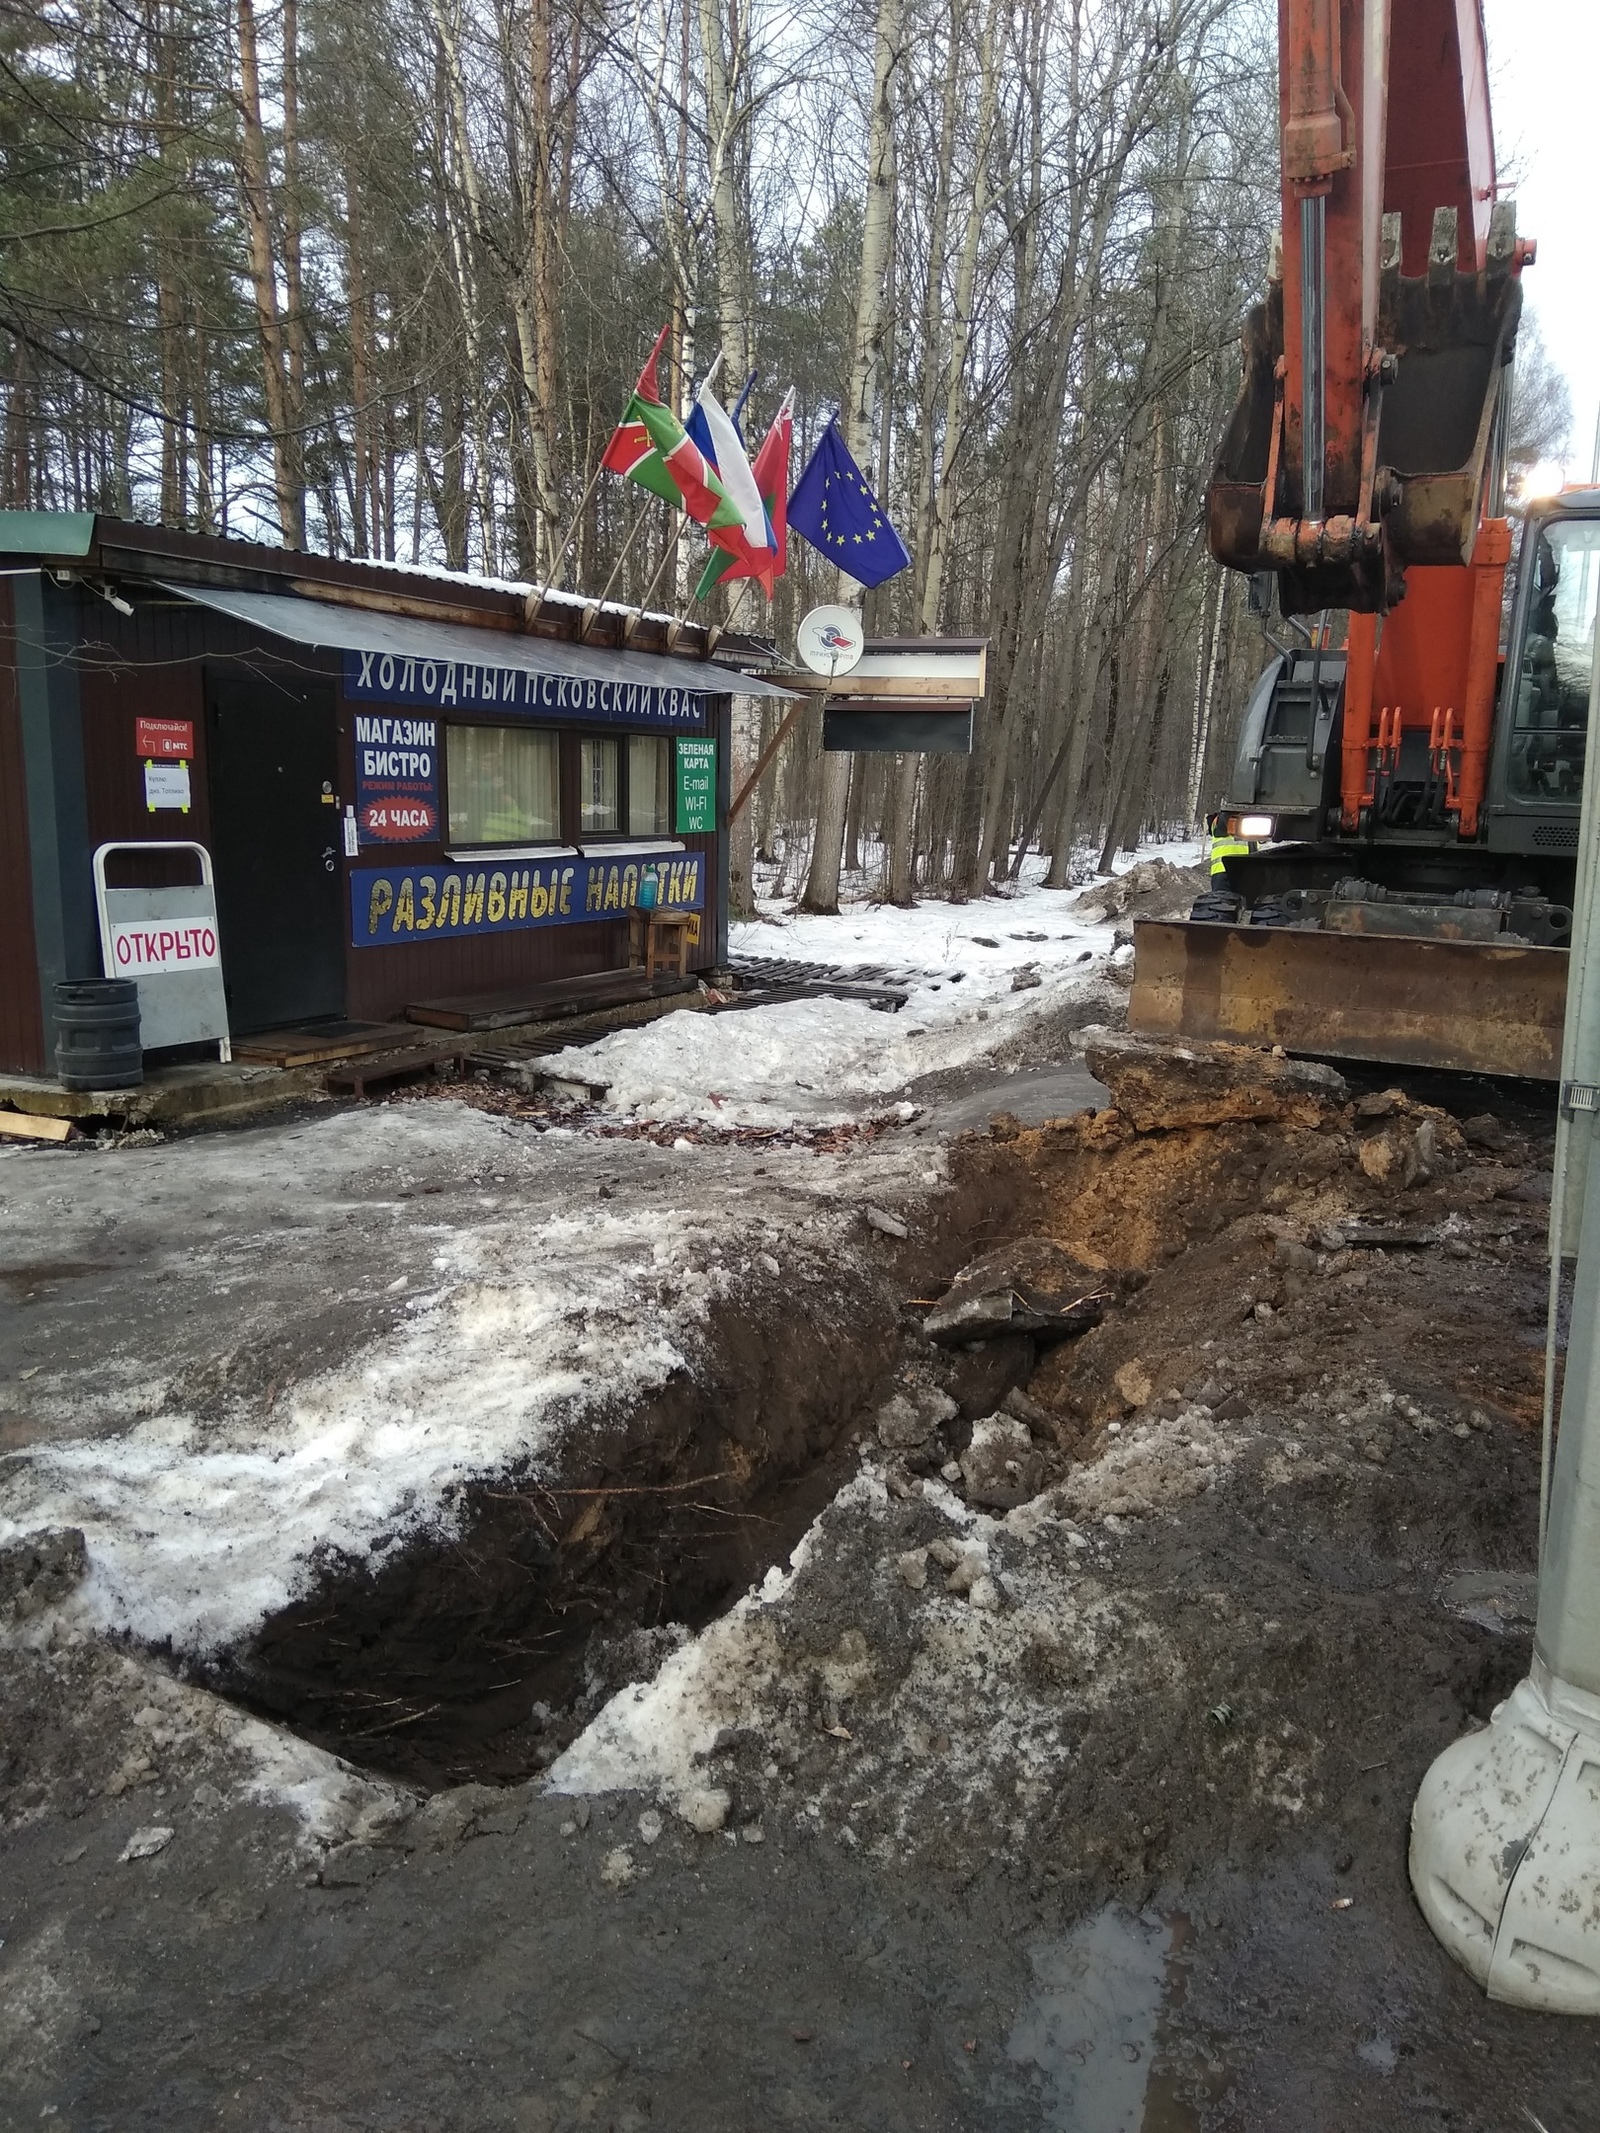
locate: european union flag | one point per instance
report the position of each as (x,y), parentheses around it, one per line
(839,515)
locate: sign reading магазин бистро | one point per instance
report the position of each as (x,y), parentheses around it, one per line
(389,904)
(397,779)
(463,685)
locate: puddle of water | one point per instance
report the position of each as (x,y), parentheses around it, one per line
(1097,2024)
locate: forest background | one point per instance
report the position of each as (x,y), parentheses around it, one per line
(375,277)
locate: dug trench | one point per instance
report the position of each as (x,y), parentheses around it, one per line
(1253,1546)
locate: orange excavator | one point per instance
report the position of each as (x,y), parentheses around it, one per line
(1410,767)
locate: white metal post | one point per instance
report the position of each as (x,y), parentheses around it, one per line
(1505,1832)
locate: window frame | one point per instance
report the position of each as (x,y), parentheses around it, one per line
(570,837)
(532,847)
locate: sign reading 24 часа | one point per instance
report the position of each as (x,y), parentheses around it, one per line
(389,904)
(463,686)
(397,779)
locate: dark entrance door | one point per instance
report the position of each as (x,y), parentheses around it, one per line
(275,845)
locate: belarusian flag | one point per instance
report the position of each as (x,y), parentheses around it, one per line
(771,470)
(651,446)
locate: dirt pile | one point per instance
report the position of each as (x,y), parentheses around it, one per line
(1140,1596)
(1152,889)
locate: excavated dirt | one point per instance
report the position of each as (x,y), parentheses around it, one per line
(1063,1780)
(1279,1308)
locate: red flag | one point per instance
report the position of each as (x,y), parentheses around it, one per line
(771,470)
(652,447)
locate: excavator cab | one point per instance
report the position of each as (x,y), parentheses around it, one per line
(1394,935)
(1547,685)
(1289,771)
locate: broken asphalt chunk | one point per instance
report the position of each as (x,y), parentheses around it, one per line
(145,1843)
(1031,1286)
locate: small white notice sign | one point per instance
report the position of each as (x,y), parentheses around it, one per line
(166,785)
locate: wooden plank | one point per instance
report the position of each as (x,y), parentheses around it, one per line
(863,681)
(363,1075)
(311,1047)
(24,1126)
(532,1003)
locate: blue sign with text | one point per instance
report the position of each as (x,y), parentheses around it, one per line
(397,779)
(438,903)
(463,685)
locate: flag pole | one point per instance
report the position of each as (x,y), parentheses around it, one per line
(717,631)
(667,553)
(593,607)
(535,599)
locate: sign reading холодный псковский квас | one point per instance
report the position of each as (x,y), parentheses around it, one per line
(464,687)
(389,904)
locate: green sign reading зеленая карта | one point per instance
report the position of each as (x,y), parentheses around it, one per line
(695,812)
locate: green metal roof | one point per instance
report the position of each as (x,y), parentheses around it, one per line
(46,532)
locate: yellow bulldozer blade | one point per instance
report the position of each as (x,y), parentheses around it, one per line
(1407,1002)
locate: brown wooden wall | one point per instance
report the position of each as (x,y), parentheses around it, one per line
(148,665)
(22,1034)
(383,982)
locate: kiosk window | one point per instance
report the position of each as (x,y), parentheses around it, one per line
(1552,717)
(649,785)
(599,780)
(504,785)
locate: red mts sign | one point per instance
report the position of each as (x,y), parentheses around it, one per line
(170,740)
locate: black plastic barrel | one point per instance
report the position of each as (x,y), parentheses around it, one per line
(97,1034)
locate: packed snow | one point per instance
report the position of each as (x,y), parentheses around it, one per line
(818,1061)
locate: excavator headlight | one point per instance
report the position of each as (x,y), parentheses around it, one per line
(1252,825)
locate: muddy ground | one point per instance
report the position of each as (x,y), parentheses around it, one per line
(1070,1794)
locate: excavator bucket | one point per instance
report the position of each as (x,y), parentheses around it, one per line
(1429,1003)
(1453,333)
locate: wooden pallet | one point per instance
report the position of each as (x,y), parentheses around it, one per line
(362,1077)
(534,1003)
(770,981)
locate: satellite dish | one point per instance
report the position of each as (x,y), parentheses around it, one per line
(830,640)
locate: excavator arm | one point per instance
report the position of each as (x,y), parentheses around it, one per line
(1411,906)
(1368,435)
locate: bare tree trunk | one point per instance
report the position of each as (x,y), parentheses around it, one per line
(364,481)
(727,120)
(743,755)
(294,317)
(1201,740)
(877,229)
(255,190)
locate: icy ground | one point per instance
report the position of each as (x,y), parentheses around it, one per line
(237,1353)
(307,1338)
(818,1061)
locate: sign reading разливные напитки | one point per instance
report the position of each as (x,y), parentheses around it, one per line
(463,685)
(389,904)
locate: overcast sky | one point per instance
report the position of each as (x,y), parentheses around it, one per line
(1544,89)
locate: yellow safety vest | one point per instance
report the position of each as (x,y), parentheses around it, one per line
(1226,848)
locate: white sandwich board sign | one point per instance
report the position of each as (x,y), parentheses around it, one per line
(166,940)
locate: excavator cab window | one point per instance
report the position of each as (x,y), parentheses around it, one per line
(1551,679)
